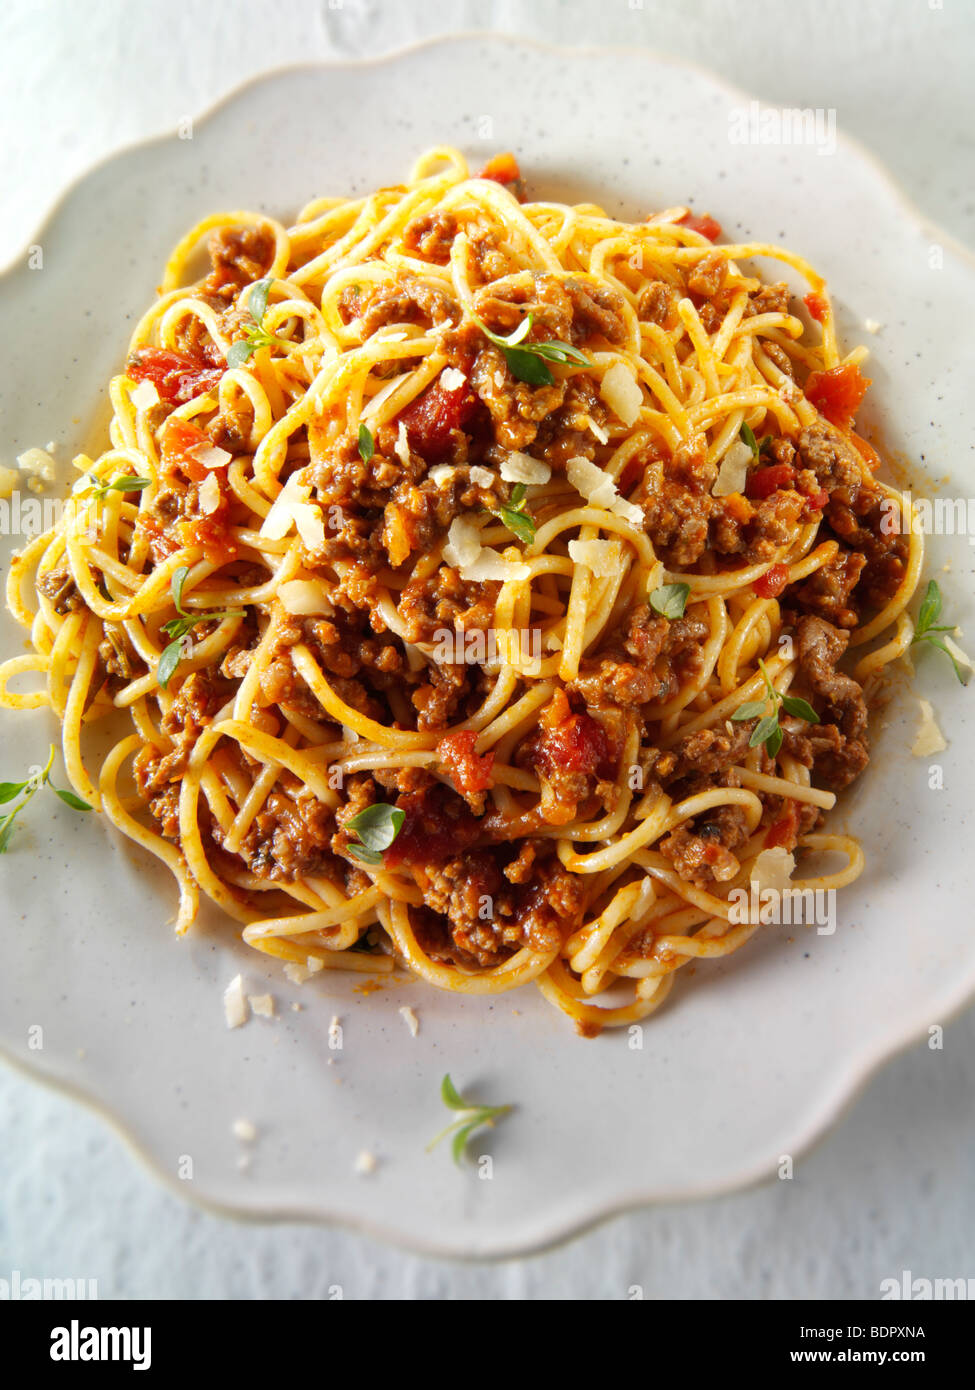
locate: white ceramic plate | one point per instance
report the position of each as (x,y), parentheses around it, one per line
(751,1058)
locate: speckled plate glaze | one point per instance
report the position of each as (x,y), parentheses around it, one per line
(751,1058)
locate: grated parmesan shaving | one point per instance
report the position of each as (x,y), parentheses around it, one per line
(733,473)
(482,477)
(410,1019)
(365,1162)
(620,390)
(602,557)
(262,1004)
(402,445)
(234,1003)
(144,396)
(597,487)
(304,596)
(929,737)
(490,565)
(245,1131)
(209,494)
(451,379)
(772,870)
(522,468)
(463,543)
(210,457)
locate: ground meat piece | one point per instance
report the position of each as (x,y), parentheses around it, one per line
(858,517)
(566,433)
(831,456)
(597,311)
(238,255)
(769,299)
(408,300)
(444,600)
(703,753)
(704,853)
(516,408)
(290,837)
(651,662)
(839,742)
(58,585)
(432,236)
(437,699)
(657,303)
(779,357)
(709,274)
(826,593)
(677,523)
(198,699)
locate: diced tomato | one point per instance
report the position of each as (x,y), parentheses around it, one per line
(177,376)
(816,305)
(210,533)
(161,538)
(436,828)
(706,225)
(783,832)
(179,439)
(503,168)
(837,393)
(772,582)
(469,771)
(866,451)
(764,481)
(431,419)
(577,744)
(817,500)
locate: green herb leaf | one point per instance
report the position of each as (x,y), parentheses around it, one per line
(366,856)
(748,438)
(176,589)
(962,672)
(670,600)
(241,351)
(168,662)
(519,523)
(8,790)
(526,366)
(127,483)
(930,609)
(555,350)
(774,741)
(367,445)
(799,708)
(750,710)
(6,830)
(69,799)
(378,825)
(257,299)
(764,730)
(470,1118)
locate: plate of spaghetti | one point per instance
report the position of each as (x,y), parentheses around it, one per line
(477,610)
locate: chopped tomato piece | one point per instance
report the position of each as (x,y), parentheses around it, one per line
(177,376)
(179,439)
(431,419)
(783,832)
(837,393)
(764,481)
(772,582)
(706,225)
(816,305)
(437,827)
(817,500)
(866,451)
(503,168)
(577,744)
(469,771)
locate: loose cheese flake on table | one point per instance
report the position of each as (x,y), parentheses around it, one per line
(409,1017)
(365,1162)
(262,1004)
(245,1131)
(620,390)
(929,738)
(234,1003)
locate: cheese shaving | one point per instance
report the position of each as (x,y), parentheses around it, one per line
(209,494)
(620,390)
(598,488)
(303,597)
(144,396)
(602,557)
(234,1004)
(929,737)
(451,379)
(522,468)
(733,473)
(463,543)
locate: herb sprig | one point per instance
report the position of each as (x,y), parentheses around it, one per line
(377,827)
(255,336)
(927,629)
(178,628)
(516,516)
(768,730)
(127,483)
(469,1118)
(529,361)
(367,445)
(40,777)
(670,600)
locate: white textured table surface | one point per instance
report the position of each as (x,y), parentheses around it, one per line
(892,1188)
